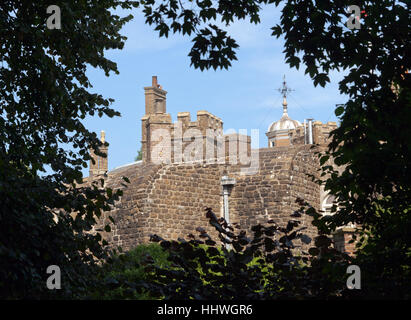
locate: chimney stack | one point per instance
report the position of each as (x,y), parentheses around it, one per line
(155,98)
(155,116)
(310,131)
(154,82)
(100,165)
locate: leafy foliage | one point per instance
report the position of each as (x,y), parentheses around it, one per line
(385,253)
(44,96)
(273,264)
(121,275)
(212,46)
(372,144)
(139,155)
(268,266)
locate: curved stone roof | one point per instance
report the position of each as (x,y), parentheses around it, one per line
(285,123)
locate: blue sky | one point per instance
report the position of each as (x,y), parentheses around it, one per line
(244,97)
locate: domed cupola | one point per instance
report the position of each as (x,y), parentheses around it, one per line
(279,131)
(285,123)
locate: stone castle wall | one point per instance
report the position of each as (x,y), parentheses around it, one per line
(170,200)
(271,193)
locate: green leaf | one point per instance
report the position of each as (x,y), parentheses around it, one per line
(324,159)
(339,111)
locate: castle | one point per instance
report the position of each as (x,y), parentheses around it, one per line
(189,165)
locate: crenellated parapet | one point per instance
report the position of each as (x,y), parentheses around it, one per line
(320,133)
(164,141)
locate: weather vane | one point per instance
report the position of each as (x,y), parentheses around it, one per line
(284,90)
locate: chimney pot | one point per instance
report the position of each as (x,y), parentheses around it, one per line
(154,81)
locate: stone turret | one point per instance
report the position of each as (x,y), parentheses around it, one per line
(279,132)
(286,131)
(100,165)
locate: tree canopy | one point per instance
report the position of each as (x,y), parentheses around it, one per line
(45,94)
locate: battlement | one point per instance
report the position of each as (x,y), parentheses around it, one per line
(321,133)
(205,120)
(164,141)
